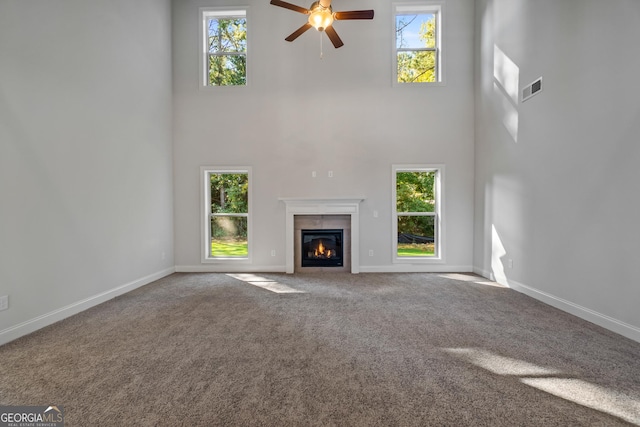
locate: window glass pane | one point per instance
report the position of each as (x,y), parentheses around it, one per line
(416,30)
(416,236)
(227,70)
(415,191)
(229,193)
(419,66)
(229,236)
(227,35)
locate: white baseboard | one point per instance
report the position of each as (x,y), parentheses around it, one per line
(13,332)
(607,322)
(484,273)
(415,268)
(396,268)
(226,268)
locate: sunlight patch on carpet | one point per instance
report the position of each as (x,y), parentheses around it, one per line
(500,365)
(264,283)
(472,278)
(584,393)
(591,395)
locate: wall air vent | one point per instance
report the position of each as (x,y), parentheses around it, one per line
(532,89)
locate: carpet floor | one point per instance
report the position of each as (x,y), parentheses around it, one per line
(325,350)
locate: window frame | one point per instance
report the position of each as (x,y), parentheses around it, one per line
(206,215)
(220,12)
(421,7)
(438,213)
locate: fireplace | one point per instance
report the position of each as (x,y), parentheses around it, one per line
(321,248)
(322,214)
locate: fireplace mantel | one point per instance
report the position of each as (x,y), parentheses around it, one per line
(323,206)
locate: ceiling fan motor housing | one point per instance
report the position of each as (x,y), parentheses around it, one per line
(320,17)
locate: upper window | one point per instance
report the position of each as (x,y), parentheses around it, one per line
(418,47)
(224,59)
(226,213)
(417,215)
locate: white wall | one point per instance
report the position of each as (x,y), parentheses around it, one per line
(85,154)
(557,176)
(301,113)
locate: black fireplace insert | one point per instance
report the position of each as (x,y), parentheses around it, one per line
(322,248)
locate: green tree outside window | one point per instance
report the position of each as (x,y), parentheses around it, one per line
(416,213)
(227,51)
(229,214)
(417,55)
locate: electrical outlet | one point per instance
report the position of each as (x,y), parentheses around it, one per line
(370,252)
(313,174)
(273,252)
(375,214)
(330,174)
(510,263)
(4,302)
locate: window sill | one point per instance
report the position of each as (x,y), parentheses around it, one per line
(234,260)
(418,260)
(414,85)
(219,88)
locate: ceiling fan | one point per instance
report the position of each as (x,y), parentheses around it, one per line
(321,17)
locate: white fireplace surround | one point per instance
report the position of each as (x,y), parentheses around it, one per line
(335,206)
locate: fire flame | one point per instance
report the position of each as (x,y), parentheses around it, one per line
(321,251)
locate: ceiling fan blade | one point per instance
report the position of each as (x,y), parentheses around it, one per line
(290,6)
(298,32)
(333,36)
(354,14)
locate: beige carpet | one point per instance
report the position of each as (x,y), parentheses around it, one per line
(326,349)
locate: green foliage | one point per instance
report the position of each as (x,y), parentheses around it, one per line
(416,67)
(428,32)
(229,228)
(227,70)
(229,193)
(227,40)
(415,191)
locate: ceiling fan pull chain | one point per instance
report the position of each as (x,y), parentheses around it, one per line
(321,54)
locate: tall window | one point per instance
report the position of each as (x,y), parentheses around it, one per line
(224,47)
(418,47)
(226,199)
(417,212)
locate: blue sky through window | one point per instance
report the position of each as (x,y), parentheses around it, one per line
(226,43)
(408,29)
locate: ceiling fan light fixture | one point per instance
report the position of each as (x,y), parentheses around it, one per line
(320,17)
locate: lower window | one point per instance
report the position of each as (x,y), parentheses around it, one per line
(226,214)
(417,219)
